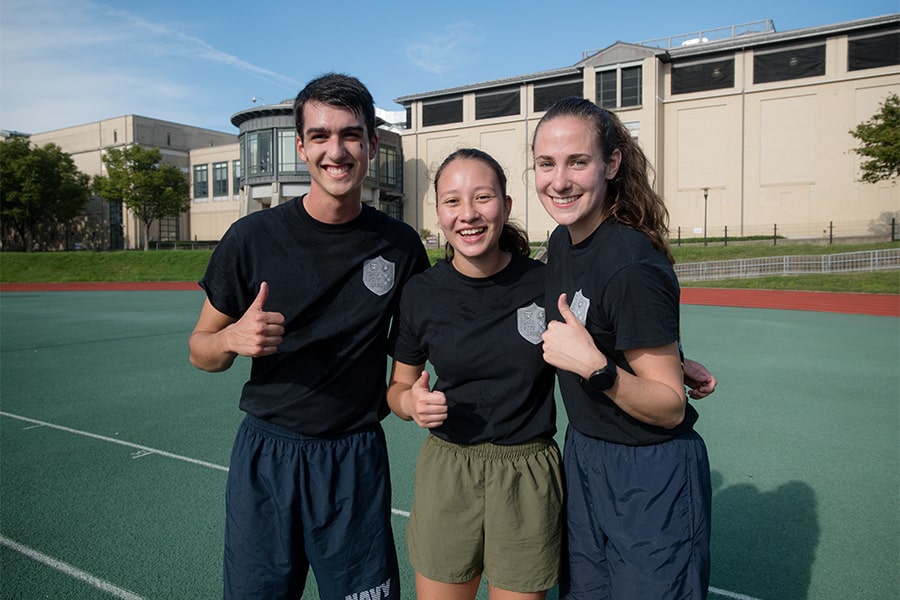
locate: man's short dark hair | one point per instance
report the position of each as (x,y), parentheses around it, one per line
(336,89)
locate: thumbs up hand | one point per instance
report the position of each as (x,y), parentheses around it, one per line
(428,409)
(568,345)
(258,332)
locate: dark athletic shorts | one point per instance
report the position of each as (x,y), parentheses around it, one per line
(637,519)
(488,508)
(295,502)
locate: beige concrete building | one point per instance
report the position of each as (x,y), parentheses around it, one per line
(747,128)
(215,191)
(108,225)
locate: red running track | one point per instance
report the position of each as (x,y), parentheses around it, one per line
(887,305)
(882,305)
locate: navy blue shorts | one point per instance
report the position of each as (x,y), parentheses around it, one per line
(637,519)
(293,502)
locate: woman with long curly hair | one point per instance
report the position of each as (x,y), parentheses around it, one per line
(637,474)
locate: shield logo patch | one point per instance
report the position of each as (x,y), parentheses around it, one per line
(378,275)
(580,305)
(531,322)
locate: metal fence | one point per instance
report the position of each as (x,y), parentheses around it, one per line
(741,268)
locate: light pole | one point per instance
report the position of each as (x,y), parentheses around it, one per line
(256,99)
(705,196)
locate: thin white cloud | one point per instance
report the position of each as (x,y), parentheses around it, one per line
(449,48)
(65,62)
(182,44)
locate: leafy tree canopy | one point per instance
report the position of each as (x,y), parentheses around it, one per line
(149,188)
(880,142)
(40,189)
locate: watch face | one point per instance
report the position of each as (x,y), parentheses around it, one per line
(604,378)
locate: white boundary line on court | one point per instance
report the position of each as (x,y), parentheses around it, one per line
(727,594)
(396,511)
(104,438)
(69,570)
(145,449)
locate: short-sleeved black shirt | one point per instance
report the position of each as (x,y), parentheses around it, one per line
(627,294)
(337,286)
(483,337)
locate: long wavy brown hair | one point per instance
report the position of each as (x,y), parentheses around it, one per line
(630,199)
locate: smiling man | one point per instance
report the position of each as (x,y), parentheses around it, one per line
(306,290)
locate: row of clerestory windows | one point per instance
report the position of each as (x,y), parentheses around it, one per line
(621,86)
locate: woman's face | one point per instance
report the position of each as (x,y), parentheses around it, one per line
(471,211)
(570,174)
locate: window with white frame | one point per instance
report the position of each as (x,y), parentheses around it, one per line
(632,86)
(288,159)
(236,177)
(619,87)
(201,183)
(259,153)
(220,181)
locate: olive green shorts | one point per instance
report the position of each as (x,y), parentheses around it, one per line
(488,509)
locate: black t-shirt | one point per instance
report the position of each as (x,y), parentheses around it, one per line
(483,337)
(337,286)
(627,294)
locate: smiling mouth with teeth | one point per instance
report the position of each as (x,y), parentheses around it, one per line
(562,201)
(466,232)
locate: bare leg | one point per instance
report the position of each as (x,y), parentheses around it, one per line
(428,589)
(498,594)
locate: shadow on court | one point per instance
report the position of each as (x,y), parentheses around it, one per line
(773,532)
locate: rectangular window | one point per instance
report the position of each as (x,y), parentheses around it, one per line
(201,183)
(220,181)
(489,105)
(236,177)
(408,116)
(259,153)
(545,94)
(393,209)
(288,159)
(442,112)
(611,81)
(632,86)
(699,77)
(873,51)
(168,229)
(791,63)
(607,91)
(389,166)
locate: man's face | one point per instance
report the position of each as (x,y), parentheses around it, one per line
(336,149)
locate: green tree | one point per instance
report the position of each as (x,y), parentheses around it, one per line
(41,190)
(149,188)
(880,139)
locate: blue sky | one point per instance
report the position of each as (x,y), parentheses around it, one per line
(68,62)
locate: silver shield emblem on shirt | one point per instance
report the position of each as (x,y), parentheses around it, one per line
(580,305)
(532,322)
(378,275)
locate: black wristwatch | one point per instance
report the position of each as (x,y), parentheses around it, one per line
(603,379)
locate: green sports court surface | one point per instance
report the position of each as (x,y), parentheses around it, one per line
(114,450)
